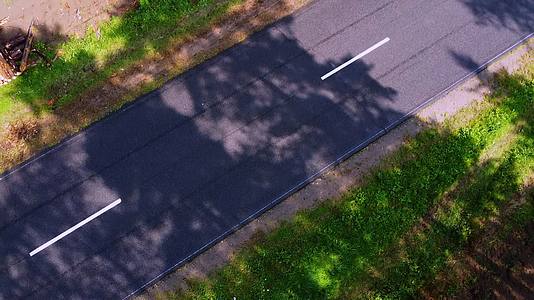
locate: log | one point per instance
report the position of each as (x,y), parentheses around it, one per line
(27,49)
(6,70)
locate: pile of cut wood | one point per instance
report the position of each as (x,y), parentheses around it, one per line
(14,54)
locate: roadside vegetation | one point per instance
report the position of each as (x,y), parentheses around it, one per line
(118,61)
(413,219)
(85,62)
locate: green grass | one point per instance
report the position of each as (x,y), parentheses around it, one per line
(365,245)
(86,62)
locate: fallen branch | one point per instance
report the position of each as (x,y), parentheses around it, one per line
(27,49)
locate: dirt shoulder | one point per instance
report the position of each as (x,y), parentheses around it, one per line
(349,174)
(59,19)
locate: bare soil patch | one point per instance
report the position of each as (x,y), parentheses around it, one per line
(58,19)
(505,270)
(499,264)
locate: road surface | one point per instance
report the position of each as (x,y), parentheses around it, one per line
(113,208)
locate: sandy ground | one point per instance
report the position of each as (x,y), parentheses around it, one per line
(56,19)
(337,181)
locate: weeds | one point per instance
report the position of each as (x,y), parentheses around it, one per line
(22,130)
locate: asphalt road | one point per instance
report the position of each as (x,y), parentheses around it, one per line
(214,148)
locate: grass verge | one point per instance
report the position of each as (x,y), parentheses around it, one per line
(393,235)
(86,62)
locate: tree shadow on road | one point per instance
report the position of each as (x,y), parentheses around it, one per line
(191,162)
(514,15)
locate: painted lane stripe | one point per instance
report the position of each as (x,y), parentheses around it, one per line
(364,53)
(75,227)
